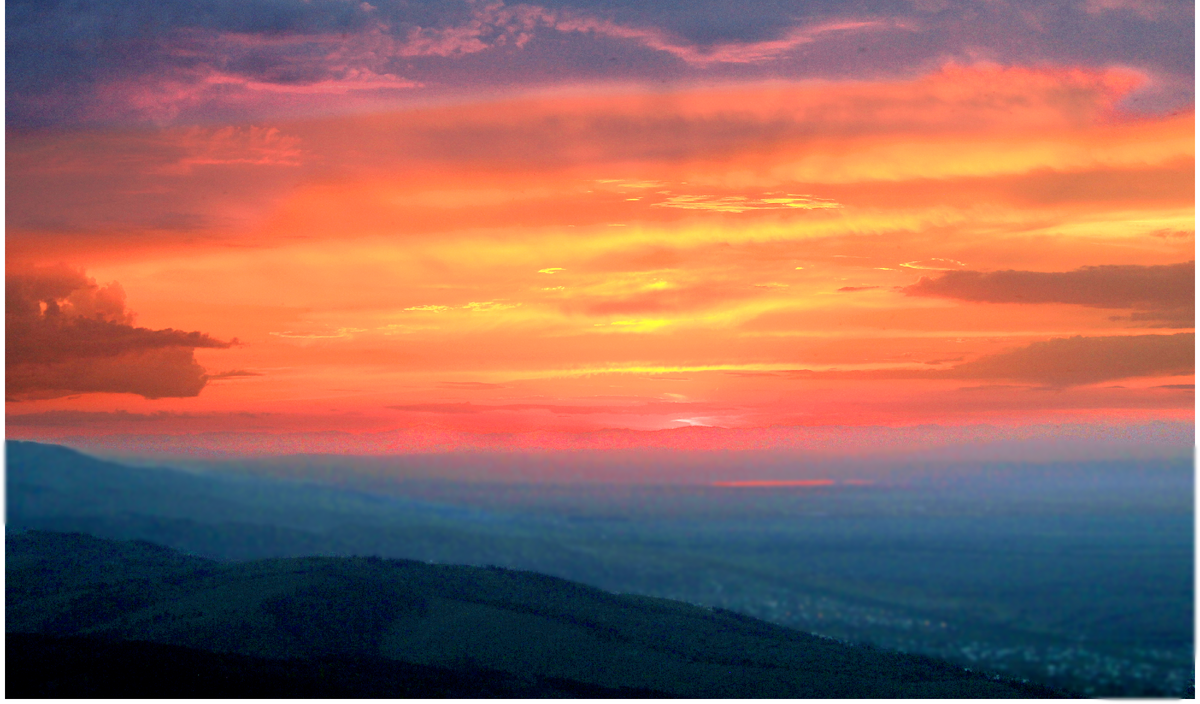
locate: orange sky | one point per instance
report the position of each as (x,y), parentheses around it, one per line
(737,256)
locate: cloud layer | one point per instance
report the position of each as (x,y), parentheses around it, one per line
(1056,363)
(135,60)
(64,334)
(582,214)
(1086,360)
(1163,294)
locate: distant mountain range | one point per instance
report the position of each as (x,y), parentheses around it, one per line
(90,617)
(1076,577)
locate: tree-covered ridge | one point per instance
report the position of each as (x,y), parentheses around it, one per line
(372,610)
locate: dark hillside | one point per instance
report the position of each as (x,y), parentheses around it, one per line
(41,666)
(367,624)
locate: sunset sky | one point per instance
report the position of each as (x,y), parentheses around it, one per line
(407,225)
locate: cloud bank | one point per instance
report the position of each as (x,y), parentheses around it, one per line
(1086,360)
(64,335)
(1056,363)
(1164,294)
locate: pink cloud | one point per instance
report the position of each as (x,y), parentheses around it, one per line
(240,70)
(496,24)
(729,52)
(1149,10)
(352,79)
(238,145)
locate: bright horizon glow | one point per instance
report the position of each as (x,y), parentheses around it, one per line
(776,482)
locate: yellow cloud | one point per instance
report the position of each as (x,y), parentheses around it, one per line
(487,306)
(642,325)
(934,264)
(740,204)
(339,333)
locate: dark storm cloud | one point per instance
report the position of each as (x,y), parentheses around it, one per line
(1158,294)
(112,61)
(64,335)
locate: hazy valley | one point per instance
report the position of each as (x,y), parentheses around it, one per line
(1074,576)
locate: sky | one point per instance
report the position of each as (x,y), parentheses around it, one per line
(394,226)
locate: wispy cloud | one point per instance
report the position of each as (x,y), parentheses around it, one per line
(1149,10)
(740,204)
(934,264)
(489,306)
(338,334)
(233,374)
(260,146)
(470,385)
(719,53)
(642,408)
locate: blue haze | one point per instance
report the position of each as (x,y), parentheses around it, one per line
(1071,574)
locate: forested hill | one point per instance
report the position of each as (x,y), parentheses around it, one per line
(88,614)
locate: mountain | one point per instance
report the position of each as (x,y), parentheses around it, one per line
(473,631)
(1075,577)
(231,517)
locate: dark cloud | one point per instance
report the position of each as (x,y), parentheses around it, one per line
(1086,360)
(64,334)
(105,61)
(1158,294)
(1056,363)
(943,361)
(852,289)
